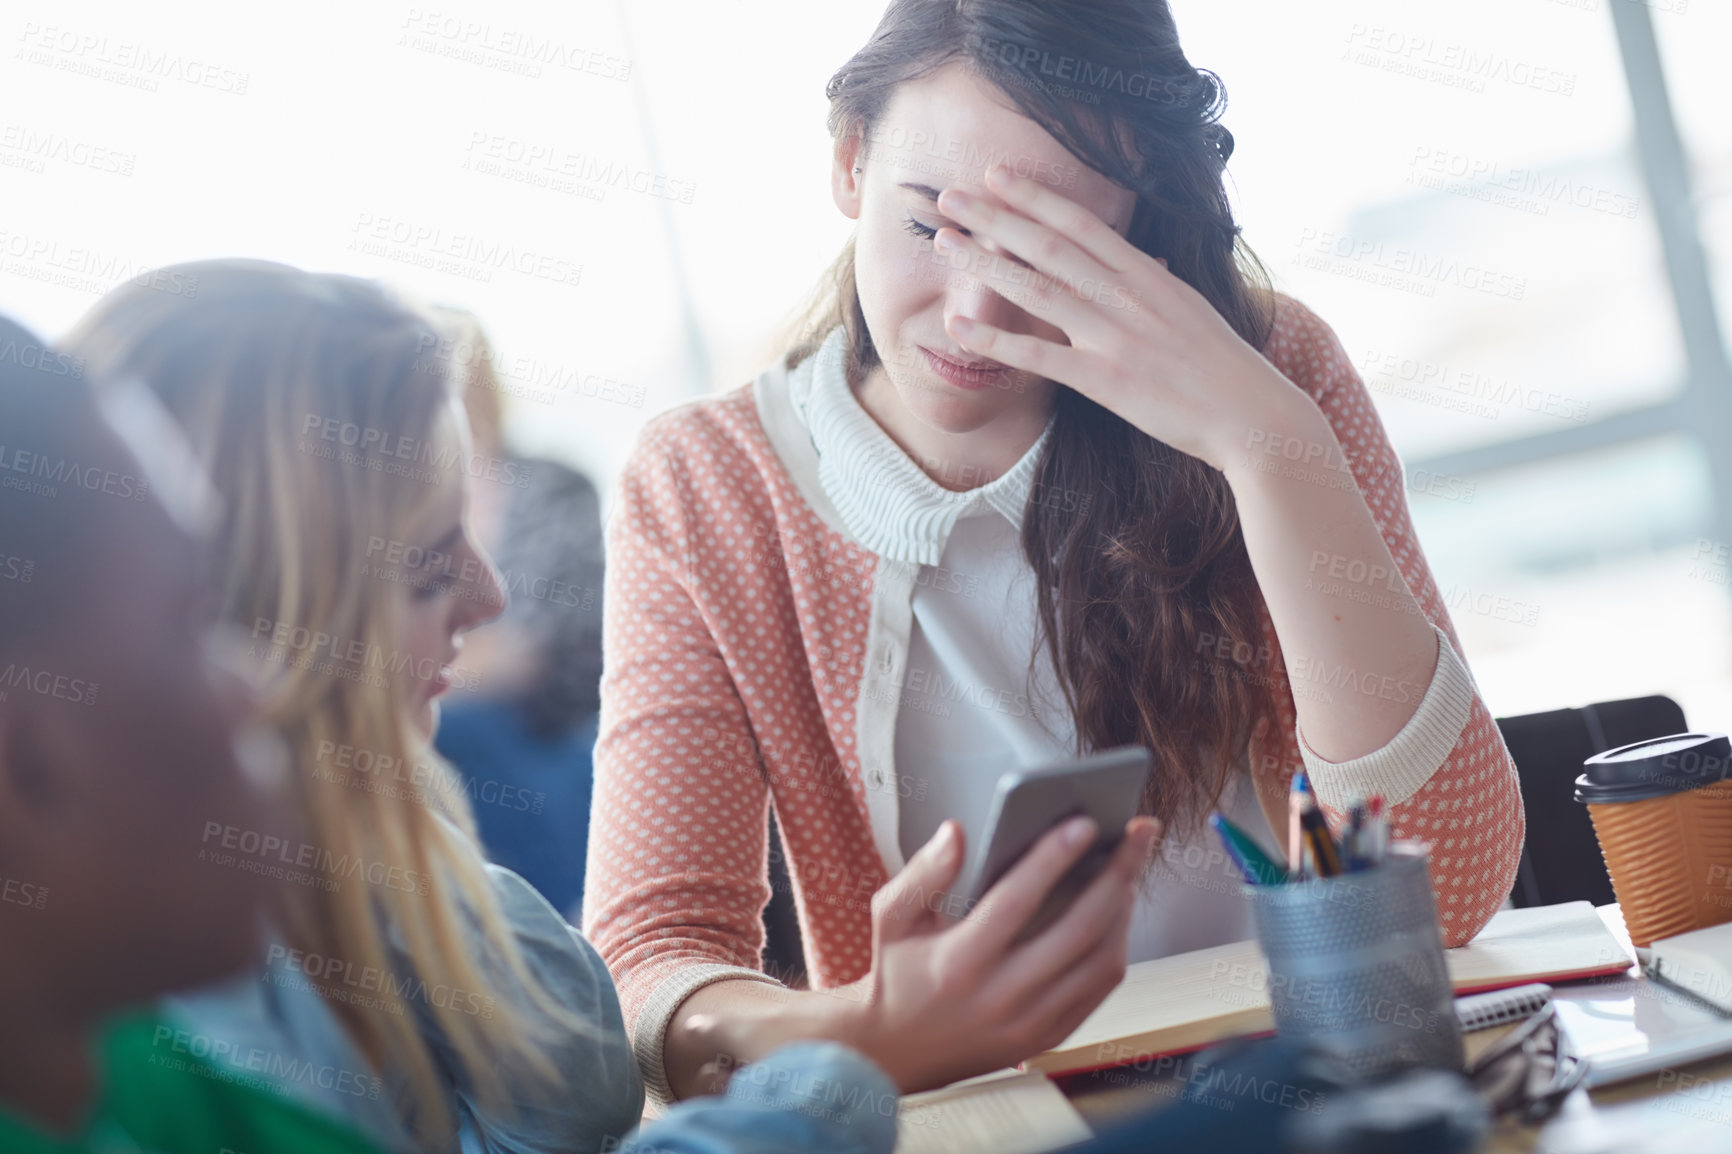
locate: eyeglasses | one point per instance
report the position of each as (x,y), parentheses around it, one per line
(1529,1071)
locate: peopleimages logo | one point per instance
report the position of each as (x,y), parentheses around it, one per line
(256,848)
(15,892)
(29,355)
(1453,64)
(229,1061)
(345,981)
(33,472)
(428,783)
(1462,389)
(40,147)
(370,443)
(547,164)
(45,683)
(528,377)
(350,653)
(1400,266)
(123,61)
(1088,74)
(83,269)
(464,254)
(899,146)
(1528,189)
(509,49)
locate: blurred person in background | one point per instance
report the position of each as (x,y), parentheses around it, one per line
(124,742)
(525,737)
(451,1003)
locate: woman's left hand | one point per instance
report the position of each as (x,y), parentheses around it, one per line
(1142,343)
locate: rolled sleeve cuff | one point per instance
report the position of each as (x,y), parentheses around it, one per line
(804,1097)
(846,1100)
(1401,768)
(658,1012)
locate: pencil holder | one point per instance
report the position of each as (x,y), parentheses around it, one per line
(1356,966)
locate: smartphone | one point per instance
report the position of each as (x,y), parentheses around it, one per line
(1107,787)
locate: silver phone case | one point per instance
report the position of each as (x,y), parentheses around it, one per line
(1107,786)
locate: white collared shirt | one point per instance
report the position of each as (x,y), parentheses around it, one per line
(969,706)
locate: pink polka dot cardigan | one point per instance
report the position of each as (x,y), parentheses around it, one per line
(752,646)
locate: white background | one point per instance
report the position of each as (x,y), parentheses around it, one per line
(133,138)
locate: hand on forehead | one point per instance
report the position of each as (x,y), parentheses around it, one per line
(946,129)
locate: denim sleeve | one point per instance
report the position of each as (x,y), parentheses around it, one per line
(272,1027)
(598,1095)
(807,1097)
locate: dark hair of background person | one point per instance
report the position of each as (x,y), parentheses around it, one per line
(538,736)
(553,527)
(42,394)
(1149,560)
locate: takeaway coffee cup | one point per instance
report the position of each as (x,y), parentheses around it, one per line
(1662,811)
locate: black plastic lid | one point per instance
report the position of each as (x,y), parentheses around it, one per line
(1657,767)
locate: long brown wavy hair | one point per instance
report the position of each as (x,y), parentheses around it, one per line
(1145,578)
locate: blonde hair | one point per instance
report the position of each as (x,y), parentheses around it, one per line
(479,386)
(254,366)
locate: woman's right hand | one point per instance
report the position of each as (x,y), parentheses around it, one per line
(948,1000)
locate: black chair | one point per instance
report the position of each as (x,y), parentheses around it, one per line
(784,956)
(1561,861)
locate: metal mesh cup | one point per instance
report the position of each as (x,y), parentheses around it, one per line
(1356,966)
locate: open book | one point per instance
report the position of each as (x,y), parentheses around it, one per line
(1001,1113)
(1189,1001)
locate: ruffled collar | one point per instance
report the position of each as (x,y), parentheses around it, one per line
(882,495)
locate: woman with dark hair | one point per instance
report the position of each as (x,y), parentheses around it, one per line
(1053,469)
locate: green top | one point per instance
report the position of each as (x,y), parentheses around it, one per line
(160,1098)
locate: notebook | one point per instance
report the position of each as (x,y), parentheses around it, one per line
(1189,1001)
(1004,1113)
(1501,1007)
(1630,1027)
(1699,961)
(1633,1027)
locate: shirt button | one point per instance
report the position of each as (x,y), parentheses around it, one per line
(876,778)
(886,660)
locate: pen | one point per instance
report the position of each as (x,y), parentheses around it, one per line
(1324,856)
(1258,867)
(1353,839)
(1376,831)
(1295,828)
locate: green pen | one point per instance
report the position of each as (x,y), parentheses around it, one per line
(1259,866)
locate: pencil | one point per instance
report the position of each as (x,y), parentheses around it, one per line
(1295,830)
(1376,831)
(1315,830)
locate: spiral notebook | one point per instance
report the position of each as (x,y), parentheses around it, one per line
(1501,1007)
(1188,1001)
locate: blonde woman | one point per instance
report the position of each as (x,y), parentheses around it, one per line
(410,986)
